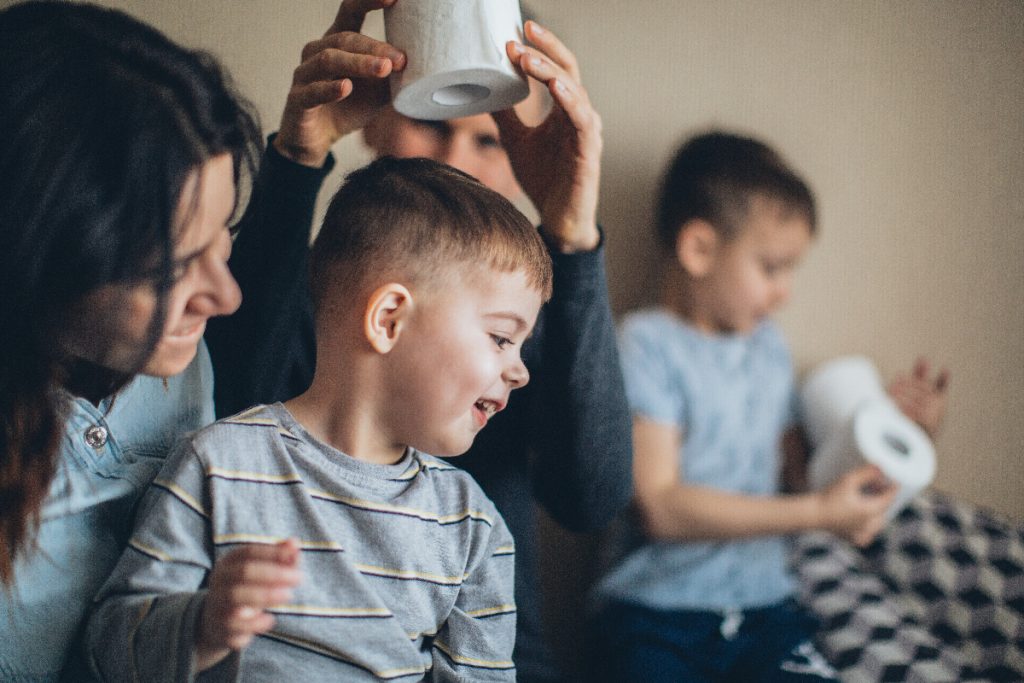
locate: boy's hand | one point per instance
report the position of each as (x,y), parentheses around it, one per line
(242,585)
(922,397)
(339,86)
(557,163)
(854,506)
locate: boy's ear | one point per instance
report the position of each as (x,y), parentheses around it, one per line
(387,312)
(696,247)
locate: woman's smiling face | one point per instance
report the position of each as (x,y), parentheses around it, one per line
(110,326)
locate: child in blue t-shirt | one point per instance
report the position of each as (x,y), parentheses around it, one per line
(706,594)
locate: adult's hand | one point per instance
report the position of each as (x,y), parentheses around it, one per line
(558,162)
(340,84)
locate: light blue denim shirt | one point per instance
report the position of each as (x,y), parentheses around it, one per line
(109,455)
(731,396)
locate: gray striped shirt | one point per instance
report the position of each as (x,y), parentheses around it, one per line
(408,568)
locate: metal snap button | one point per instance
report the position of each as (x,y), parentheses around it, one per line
(96,436)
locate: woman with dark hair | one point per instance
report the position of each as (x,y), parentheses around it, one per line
(121,157)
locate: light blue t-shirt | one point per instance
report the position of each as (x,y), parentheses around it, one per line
(731,396)
(109,455)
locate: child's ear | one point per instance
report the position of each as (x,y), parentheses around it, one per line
(387,312)
(696,247)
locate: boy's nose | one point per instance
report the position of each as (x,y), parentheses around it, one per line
(516,375)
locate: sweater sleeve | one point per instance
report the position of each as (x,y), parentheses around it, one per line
(144,620)
(582,464)
(475,642)
(266,351)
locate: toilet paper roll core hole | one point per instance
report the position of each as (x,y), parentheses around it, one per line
(460,94)
(896,443)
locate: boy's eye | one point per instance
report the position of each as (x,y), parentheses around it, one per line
(501,342)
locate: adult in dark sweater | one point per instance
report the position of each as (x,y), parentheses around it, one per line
(564,441)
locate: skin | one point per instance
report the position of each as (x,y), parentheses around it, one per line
(340,87)
(429,365)
(729,286)
(109,326)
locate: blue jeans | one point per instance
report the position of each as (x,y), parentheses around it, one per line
(633,643)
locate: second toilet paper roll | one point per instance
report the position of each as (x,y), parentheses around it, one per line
(832,393)
(456,62)
(878,433)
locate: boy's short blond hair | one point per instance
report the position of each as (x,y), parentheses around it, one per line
(422,222)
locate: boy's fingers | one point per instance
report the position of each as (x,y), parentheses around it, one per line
(255,598)
(351,14)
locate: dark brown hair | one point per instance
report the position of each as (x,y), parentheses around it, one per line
(715,175)
(423,220)
(104,122)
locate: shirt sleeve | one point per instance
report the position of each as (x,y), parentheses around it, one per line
(266,351)
(582,446)
(144,620)
(476,641)
(653,390)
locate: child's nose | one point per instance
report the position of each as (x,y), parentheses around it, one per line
(516,374)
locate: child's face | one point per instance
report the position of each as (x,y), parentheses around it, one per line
(753,273)
(459,359)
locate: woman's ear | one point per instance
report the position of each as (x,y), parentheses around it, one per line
(697,245)
(387,312)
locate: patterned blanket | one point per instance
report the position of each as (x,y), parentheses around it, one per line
(939,596)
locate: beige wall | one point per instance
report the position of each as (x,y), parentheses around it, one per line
(908,119)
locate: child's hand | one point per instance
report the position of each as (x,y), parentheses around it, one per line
(922,398)
(854,506)
(242,585)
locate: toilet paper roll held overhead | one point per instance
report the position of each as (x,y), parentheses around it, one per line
(456,64)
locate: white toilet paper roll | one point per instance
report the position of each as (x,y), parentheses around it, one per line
(880,434)
(456,61)
(832,393)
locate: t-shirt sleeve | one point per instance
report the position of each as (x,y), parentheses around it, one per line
(654,392)
(144,619)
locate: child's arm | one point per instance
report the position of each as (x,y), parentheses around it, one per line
(243,584)
(922,397)
(475,642)
(853,507)
(145,622)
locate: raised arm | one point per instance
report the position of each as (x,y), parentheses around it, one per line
(266,352)
(578,420)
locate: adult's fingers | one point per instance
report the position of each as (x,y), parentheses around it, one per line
(351,14)
(571,96)
(552,47)
(356,43)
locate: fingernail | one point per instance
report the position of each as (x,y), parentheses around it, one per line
(517,47)
(535,61)
(560,86)
(536,28)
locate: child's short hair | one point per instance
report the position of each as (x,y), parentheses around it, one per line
(715,175)
(419,219)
